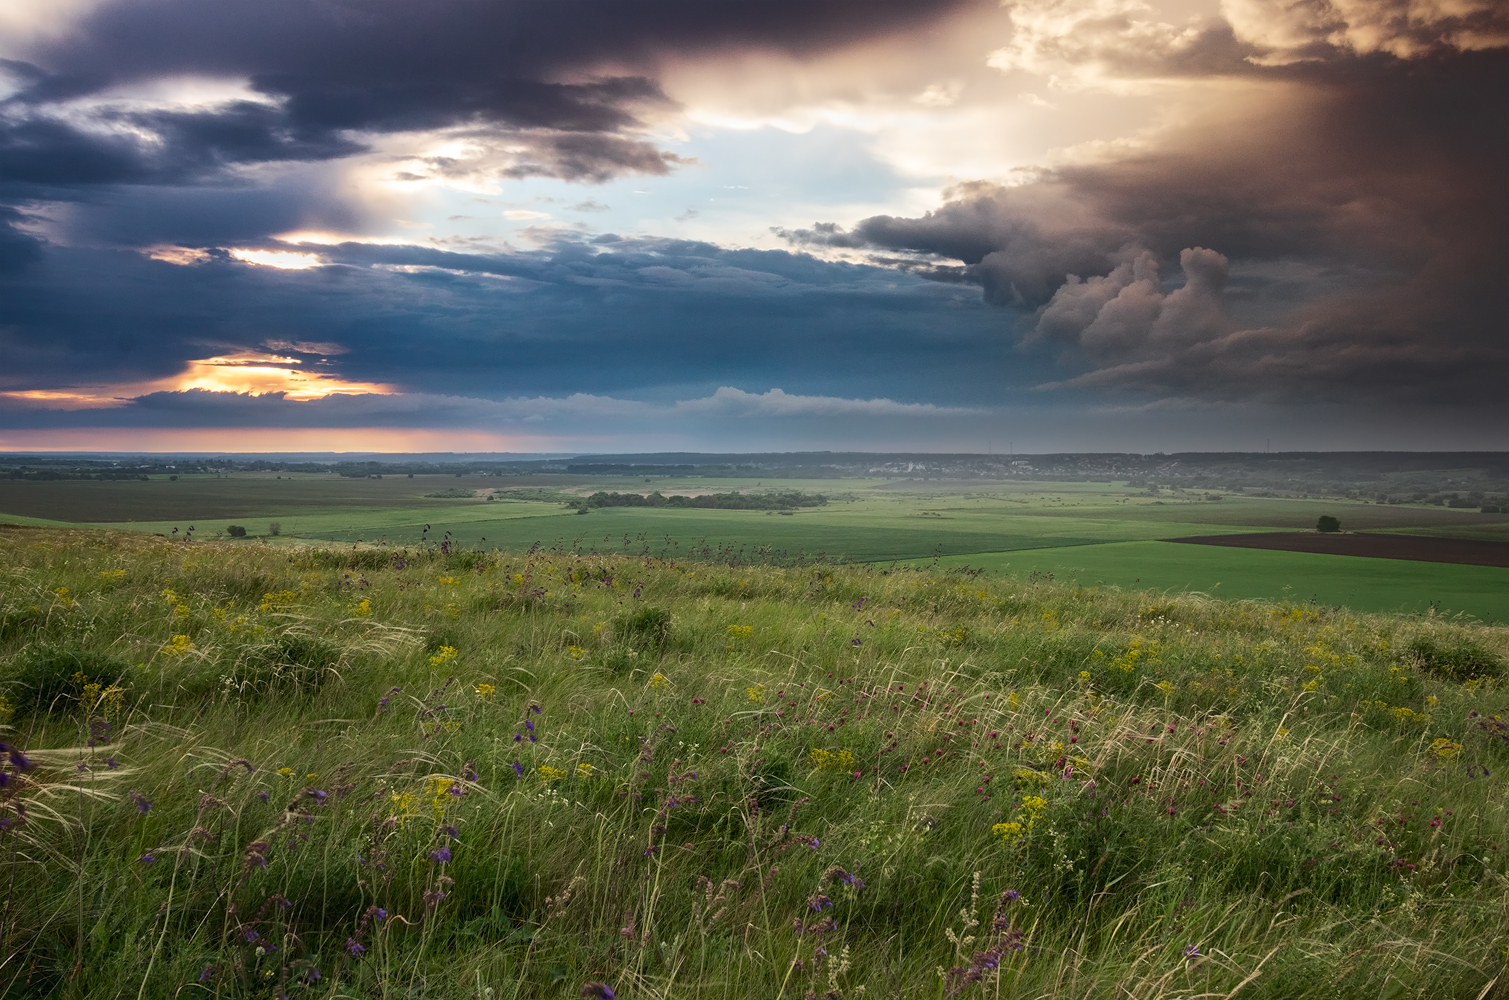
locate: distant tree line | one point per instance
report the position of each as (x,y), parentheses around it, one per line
(712,501)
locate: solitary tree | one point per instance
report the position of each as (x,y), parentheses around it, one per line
(1327,523)
(275,528)
(236,531)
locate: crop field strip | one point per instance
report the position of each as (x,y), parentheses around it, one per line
(1416,548)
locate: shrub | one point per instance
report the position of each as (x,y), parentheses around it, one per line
(236,531)
(46,674)
(648,624)
(1327,523)
(1459,660)
(275,528)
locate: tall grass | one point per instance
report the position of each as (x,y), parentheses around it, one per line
(248,771)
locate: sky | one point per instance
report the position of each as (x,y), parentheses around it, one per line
(641,225)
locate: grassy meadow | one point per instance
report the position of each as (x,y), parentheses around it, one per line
(1099,533)
(256,769)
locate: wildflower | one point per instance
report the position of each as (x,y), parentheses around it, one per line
(486,691)
(518,769)
(1193,951)
(441,855)
(529,724)
(471,772)
(143,806)
(855,642)
(264,796)
(353,947)
(451,832)
(1011,896)
(148,859)
(598,991)
(111,763)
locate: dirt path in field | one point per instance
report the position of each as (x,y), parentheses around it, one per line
(1418,548)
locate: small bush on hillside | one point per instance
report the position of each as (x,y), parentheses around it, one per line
(648,624)
(1327,523)
(1458,660)
(50,675)
(236,531)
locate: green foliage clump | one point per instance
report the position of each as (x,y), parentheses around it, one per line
(1455,658)
(1327,523)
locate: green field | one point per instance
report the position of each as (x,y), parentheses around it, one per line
(1300,577)
(251,770)
(1099,533)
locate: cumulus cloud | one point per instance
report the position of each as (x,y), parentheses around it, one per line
(730,402)
(1341,231)
(573,412)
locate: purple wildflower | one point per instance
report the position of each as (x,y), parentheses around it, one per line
(537,710)
(471,772)
(148,859)
(451,832)
(533,738)
(263,796)
(529,724)
(1193,951)
(1012,895)
(111,763)
(517,738)
(518,769)
(441,855)
(354,947)
(206,972)
(142,805)
(598,991)
(18,759)
(855,641)
(381,914)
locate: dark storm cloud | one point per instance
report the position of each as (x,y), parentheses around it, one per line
(610,316)
(549,74)
(1345,240)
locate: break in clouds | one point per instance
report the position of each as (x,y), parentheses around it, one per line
(1315,214)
